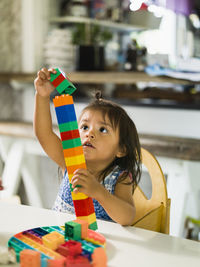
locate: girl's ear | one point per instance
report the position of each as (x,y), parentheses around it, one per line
(121,153)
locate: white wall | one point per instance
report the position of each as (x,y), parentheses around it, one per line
(148,120)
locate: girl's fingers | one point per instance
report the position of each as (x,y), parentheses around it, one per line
(47,73)
(53,70)
(42,75)
(77,181)
(81,172)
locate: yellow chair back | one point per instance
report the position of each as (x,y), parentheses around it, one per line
(154,213)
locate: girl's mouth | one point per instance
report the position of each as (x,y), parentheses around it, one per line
(88,144)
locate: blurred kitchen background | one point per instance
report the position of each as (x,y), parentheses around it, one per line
(143,54)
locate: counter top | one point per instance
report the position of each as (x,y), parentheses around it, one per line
(164,146)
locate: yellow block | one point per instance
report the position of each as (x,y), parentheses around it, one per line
(77,196)
(90,218)
(70,177)
(75,160)
(53,240)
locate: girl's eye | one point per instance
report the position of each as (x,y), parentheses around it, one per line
(84,127)
(103,130)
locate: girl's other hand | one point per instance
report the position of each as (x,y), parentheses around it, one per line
(86,182)
(42,83)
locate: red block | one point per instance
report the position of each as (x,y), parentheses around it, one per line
(70,248)
(58,80)
(84,207)
(69,135)
(78,261)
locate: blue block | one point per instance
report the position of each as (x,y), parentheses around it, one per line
(65,113)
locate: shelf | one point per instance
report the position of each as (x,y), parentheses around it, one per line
(102,23)
(121,78)
(99,78)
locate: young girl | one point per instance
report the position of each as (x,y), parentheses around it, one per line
(111,148)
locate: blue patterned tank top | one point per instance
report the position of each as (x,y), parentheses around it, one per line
(64,202)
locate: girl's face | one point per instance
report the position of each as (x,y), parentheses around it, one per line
(100,141)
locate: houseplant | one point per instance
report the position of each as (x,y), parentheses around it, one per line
(90,41)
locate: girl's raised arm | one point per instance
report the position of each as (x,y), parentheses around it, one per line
(42,123)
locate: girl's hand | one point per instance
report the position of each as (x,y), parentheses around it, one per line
(42,83)
(87,182)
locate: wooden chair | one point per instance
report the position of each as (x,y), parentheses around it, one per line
(154,213)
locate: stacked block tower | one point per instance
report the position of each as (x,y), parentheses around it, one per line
(71,142)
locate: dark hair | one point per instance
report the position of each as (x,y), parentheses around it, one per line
(128,138)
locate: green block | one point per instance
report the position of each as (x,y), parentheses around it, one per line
(72,189)
(93,226)
(73,230)
(71,143)
(65,87)
(54,76)
(68,126)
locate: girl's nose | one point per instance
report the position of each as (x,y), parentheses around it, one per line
(91,134)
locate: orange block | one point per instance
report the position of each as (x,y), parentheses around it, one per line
(29,258)
(84,227)
(95,238)
(75,151)
(57,263)
(63,100)
(71,169)
(99,258)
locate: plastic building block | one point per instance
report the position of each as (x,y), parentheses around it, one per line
(57,263)
(39,231)
(71,143)
(84,227)
(61,82)
(73,230)
(18,246)
(93,226)
(99,258)
(62,100)
(75,151)
(71,253)
(84,207)
(33,236)
(29,258)
(53,240)
(71,169)
(78,261)
(59,79)
(70,135)
(72,248)
(68,126)
(95,238)
(78,195)
(66,116)
(75,160)
(39,247)
(89,218)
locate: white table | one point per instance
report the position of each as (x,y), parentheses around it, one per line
(126,246)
